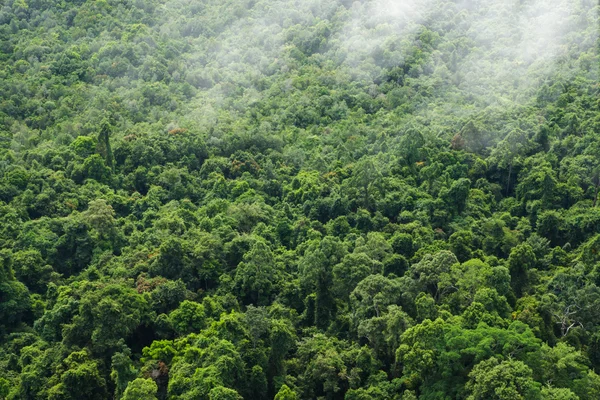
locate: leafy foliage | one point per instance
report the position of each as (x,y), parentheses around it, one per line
(318,199)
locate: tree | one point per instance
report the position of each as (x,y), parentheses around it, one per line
(383,332)
(317,274)
(255,276)
(456,196)
(549,225)
(93,167)
(367,178)
(31,269)
(372,296)
(282,338)
(558,394)
(79,378)
(103,144)
(520,262)
(402,243)
(104,316)
(473,136)
(189,317)
(257,383)
(4,387)
(122,371)
(101,217)
(15,302)
(141,389)
(566,367)
(285,393)
(507,154)
(411,145)
(438,356)
(432,273)
(223,393)
(258,323)
(492,379)
(461,243)
(467,279)
(354,268)
(324,363)
(539,183)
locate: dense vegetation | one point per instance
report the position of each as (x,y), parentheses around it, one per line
(227,199)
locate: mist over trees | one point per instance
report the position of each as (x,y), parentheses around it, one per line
(280,199)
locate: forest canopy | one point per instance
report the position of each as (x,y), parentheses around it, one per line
(281,199)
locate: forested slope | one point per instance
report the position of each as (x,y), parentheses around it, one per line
(226,199)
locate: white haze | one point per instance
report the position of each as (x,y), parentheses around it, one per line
(512,44)
(508,46)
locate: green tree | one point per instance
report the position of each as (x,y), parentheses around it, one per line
(101,217)
(141,389)
(367,179)
(15,302)
(456,196)
(78,377)
(256,274)
(317,275)
(285,393)
(492,379)
(103,316)
(508,154)
(122,371)
(223,393)
(189,317)
(103,144)
(432,273)
(520,262)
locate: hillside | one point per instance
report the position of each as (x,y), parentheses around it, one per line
(284,199)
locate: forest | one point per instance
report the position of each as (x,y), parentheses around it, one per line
(299,199)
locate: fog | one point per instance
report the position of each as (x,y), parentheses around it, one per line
(489,53)
(506,44)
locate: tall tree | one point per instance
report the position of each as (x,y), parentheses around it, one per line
(103,144)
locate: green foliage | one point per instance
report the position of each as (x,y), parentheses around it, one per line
(318,199)
(492,379)
(78,377)
(16,302)
(140,389)
(188,318)
(285,393)
(223,393)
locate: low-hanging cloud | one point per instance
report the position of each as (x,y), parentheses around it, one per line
(507,45)
(492,52)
